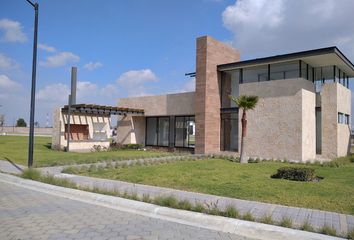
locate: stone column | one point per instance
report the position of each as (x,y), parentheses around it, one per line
(210,53)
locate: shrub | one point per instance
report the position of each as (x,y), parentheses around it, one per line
(248,217)
(306,226)
(328,230)
(185,204)
(199,207)
(169,201)
(31,173)
(132,146)
(267,219)
(231,211)
(146,198)
(351,234)
(295,173)
(286,222)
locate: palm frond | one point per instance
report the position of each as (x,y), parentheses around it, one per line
(245,102)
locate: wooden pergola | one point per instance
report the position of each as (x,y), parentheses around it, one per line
(101,110)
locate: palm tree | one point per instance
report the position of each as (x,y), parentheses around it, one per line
(245,103)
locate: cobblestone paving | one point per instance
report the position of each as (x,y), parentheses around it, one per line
(27,214)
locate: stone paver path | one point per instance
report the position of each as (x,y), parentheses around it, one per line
(27,214)
(341,222)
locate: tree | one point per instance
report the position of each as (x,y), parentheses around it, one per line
(21,123)
(245,103)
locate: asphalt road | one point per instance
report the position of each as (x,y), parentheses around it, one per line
(28,214)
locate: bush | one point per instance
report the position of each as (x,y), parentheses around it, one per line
(295,174)
(231,212)
(185,204)
(267,219)
(351,234)
(248,217)
(306,226)
(328,230)
(132,146)
(31,173)
(286,222)
(199,207)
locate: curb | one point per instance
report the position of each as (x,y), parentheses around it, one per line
(217,223)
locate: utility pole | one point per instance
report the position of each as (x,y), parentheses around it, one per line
(33,88)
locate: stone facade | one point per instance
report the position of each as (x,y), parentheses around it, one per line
(335,136)
(210,53)
(282,126)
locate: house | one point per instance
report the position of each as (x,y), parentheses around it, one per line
(303,113)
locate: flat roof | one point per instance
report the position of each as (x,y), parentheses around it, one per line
(316,58)
(102,109)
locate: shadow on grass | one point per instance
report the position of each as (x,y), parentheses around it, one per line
(48,145)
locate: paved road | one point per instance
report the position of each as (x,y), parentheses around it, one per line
(27,214)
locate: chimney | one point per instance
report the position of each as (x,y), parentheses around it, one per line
(73,84)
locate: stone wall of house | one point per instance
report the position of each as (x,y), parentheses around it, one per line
(131,129)
(344,106)
(282,126)
(210,53)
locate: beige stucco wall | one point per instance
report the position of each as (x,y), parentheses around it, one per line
(59,121)
(131,129)
(162,105)
(343,132)
(276,127)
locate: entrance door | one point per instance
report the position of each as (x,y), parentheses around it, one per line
(229,131)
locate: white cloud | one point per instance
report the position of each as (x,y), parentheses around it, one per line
(6,84)
(6,63)
(268,27)
(12,31)
(134,81)
(46,47)
(55,93)
(93,65)
(60,59)
(189,86)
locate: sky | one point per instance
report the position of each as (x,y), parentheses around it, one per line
(144,47)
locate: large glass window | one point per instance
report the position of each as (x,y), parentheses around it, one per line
(285,70)
(185,131)
(151,131)
(229,86)
(163,131)
(255,74)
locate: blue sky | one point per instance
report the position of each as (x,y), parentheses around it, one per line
(139,47)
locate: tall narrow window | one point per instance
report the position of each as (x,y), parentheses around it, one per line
(151,131)
(318,117)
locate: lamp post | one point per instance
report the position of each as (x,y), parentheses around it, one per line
(33,88)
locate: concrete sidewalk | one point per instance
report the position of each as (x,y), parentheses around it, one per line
(317,218)
(235,229)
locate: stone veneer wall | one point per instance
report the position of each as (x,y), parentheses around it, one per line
(210,53)
(282,126)
(131,129)
(335,137)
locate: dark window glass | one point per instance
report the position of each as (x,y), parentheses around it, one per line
(151,131)
(163,131)
(286,70)
(229,86)
(229,131)
(185,131)
(255,74)
(340,118)
(318,131)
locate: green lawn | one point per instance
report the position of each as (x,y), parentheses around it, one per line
(247,181)
(15,148)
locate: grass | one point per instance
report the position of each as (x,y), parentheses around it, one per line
(15,148)
(328,230)
(247,181)
(172,201)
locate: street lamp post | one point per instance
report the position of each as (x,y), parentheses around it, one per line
(33,88)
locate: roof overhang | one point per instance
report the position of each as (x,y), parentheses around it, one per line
(101,110)
(316,58)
